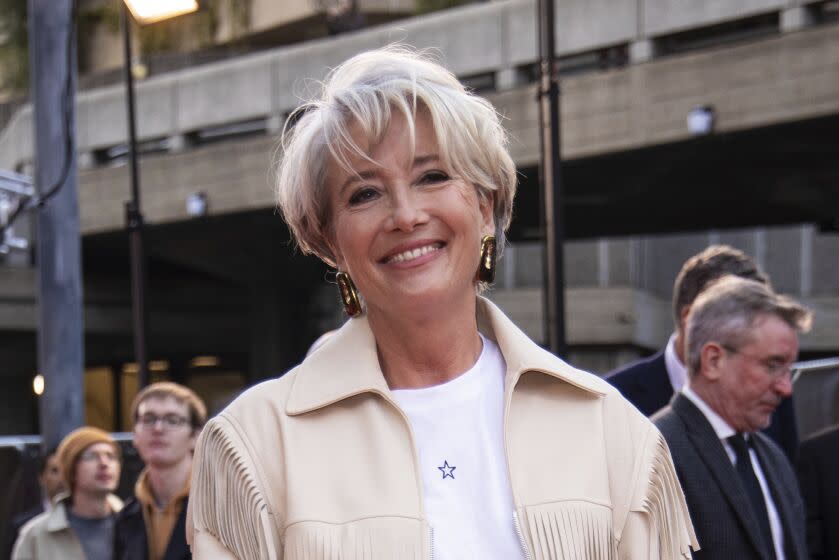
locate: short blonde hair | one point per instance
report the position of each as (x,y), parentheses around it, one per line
(362,93)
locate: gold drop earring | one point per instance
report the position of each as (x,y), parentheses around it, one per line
(349,294)
(486,268)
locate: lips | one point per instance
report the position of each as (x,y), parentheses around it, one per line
(408,253)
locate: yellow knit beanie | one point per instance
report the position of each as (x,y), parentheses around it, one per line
(74,445)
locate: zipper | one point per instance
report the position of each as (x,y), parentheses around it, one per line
(508,399)
(417,473)
(522,542)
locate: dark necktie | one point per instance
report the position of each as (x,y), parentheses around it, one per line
(753,491)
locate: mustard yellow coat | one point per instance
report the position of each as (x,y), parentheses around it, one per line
(320,464)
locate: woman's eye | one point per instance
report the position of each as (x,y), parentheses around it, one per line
(362,195)
(434,177)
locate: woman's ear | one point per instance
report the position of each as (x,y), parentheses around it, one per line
(486,204)
(332,246)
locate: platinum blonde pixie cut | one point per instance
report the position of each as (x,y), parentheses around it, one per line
(362,94)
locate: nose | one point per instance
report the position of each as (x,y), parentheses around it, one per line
(406,213)
(783,385)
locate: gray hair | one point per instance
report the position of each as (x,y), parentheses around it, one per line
(362,93)
(726,311)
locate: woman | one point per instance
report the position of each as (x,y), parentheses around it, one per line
(428,426)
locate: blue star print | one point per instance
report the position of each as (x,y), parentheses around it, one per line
(447,470)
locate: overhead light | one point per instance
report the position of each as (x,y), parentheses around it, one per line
(131,368)
(158,366)
(196,205)
(701,120)
(150,11)
(139,70)
(38,384)
(204,361)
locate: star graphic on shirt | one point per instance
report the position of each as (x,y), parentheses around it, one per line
(447,470)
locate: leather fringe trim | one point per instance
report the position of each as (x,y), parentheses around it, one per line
(665,504)
(226,500)
(572,530)
(352,541)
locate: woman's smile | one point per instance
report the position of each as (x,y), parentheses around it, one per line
(412,255)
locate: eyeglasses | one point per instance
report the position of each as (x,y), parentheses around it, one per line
(168,421)
(774,367)
(91,456)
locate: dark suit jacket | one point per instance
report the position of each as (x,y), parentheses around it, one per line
(131,543)
(646,385)
(719,507)
(818,472)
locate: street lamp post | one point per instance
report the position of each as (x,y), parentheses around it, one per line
(550,171)
(143,11)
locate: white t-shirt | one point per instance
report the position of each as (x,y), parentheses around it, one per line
(459,434)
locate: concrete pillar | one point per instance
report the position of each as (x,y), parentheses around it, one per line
(807,237)
(60,313)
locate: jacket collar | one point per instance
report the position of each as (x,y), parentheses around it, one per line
(57,520)
(348,363)
(57,516)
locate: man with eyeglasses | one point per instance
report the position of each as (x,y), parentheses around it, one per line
(742,339)
(81,524)
(167,420)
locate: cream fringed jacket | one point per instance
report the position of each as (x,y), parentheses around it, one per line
(320,464)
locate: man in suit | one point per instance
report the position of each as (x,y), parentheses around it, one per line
(167,420)
(741,342)
(818,473)
(650,383)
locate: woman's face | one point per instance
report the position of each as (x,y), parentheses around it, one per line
(406,231)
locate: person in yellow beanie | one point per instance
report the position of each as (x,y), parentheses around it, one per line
(81,525)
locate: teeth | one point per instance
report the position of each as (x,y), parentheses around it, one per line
(412,254)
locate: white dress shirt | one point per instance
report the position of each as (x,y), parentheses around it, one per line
(724,431)
(676,370)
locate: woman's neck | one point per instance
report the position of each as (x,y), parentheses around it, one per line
(426,349)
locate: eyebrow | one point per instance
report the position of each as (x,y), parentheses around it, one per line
(371,173)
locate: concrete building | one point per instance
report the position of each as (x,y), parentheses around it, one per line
(232,302)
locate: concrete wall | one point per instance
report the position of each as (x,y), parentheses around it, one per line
(759,83)
(619,290)
(789,77)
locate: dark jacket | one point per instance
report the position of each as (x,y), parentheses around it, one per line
(645,384)
(818,472)
(719,507)
(131,542)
